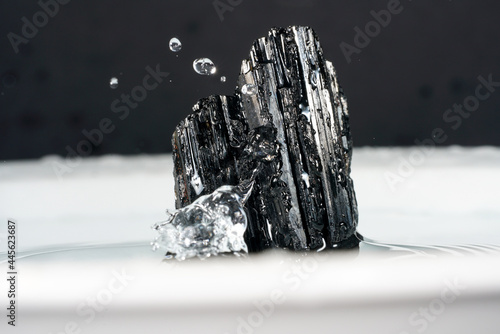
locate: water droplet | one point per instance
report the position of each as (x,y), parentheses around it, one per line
(175,44)
(222,79)
(249,89)
(313,78)
(113,83)
(197,184)
(305,177)
(305,111)
(204,66)
(345,143)
(155,246)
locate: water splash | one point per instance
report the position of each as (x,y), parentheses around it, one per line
(211,225)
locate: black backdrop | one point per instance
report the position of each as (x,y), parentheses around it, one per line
(399,84)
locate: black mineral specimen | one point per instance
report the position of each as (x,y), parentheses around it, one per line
(288,120)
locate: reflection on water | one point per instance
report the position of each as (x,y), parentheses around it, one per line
(400,250)
(142,250)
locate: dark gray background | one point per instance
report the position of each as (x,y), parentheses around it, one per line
(428,58)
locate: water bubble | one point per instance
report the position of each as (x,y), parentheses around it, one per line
(175,44)
(204,66)
(113,83)
(222,79)
(249,89)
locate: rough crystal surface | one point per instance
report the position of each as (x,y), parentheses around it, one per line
(288,119)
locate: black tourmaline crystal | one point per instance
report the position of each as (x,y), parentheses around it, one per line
(287,128)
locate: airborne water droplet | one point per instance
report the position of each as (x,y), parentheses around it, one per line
(113,83)
(175,44)
(204,66)
(222,79)
(249,89)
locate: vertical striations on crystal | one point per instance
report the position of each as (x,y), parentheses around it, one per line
(288,119)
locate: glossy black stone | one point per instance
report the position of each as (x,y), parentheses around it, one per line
(293,129)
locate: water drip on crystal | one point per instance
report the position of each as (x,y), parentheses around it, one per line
(305,111)
(204,66)
(175,44)
(197,184)
(313,77)
(305,178)
(113,83)
(249,89)
(344,142)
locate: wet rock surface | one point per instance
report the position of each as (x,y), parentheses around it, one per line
(286,128)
